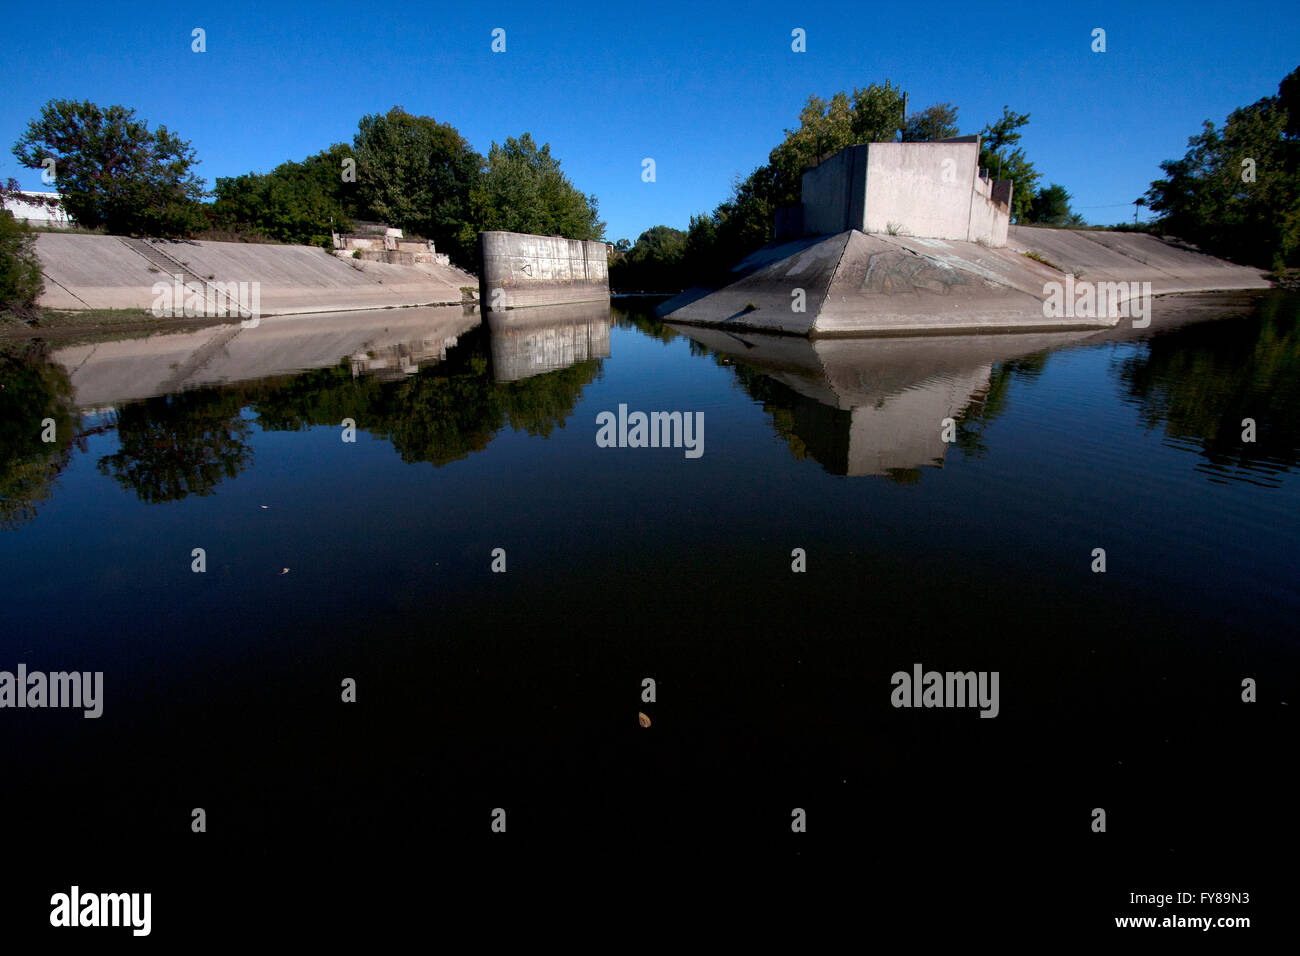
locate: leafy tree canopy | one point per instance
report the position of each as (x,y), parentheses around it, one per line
(1050,206)
(295,202)
(112,171)
(1236,192)
(524,190)
(417,174)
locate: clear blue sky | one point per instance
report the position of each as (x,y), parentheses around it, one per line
(704,89)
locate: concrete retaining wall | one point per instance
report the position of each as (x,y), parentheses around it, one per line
(834,193)
(519,270)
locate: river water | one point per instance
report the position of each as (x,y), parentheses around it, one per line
(944,498)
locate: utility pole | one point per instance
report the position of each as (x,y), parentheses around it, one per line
(902,130)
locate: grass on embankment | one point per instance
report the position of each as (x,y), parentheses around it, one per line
(69,327)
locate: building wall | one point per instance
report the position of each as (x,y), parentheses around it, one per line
(833,193)
(520,270)
(924,189)
(36,214)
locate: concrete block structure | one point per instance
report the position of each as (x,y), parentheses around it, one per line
(519,270)
(925,190)
(386,244)
(902,238)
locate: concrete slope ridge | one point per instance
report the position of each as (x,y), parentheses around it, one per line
(858,283)
(108,272)
(1128,256)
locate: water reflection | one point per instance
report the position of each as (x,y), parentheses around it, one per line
(527,342)
(35,404)
(437,384)
(873,406)
(441,414)
(1200,381)
(179,445)
(440,385)
(877,406)
(389,342)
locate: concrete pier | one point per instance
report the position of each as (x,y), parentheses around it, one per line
(519,271)
(901,238)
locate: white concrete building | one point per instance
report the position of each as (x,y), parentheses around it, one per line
(38,213)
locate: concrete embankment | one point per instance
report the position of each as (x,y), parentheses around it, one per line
(111,272)
(858,283)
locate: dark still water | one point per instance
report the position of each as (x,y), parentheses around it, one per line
(371,561)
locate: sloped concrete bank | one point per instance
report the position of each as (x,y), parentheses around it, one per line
(855,283)
(111,272)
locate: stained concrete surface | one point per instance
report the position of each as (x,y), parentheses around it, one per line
(103,272)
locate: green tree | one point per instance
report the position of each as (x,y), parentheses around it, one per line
(1004,160)
(1051,206)
(653,264)
(1236,192)
(295,202)
(21,281)
(417,174)
(871,114)
(932,124)
(112,171)
(524,190)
